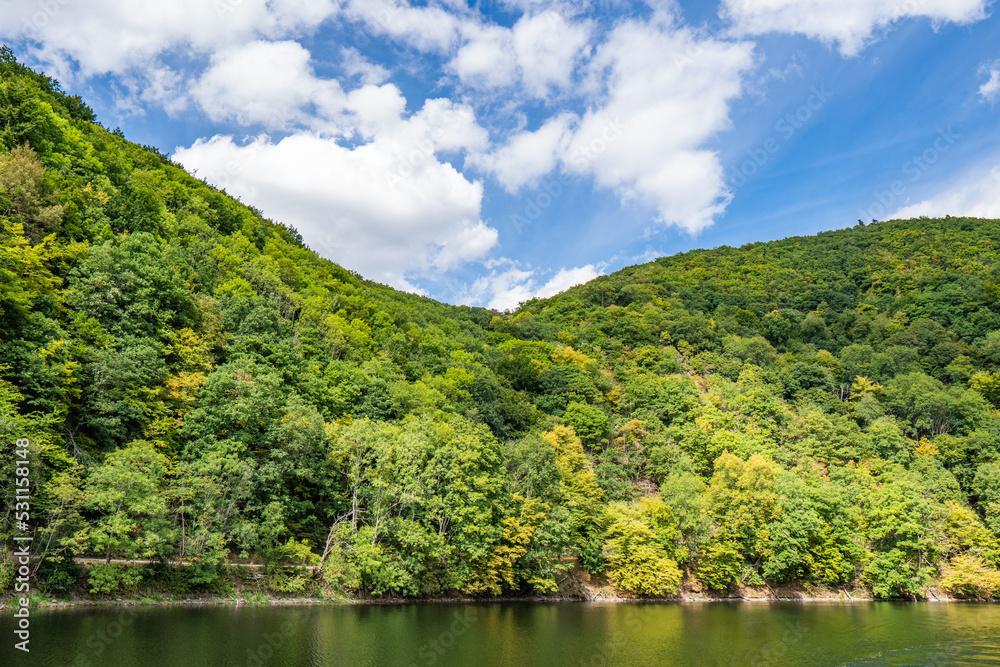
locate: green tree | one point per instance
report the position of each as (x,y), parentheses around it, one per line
(589,423)
(744,502)
(128,494)
(641,539)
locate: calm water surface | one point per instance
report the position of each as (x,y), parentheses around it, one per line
(578,634)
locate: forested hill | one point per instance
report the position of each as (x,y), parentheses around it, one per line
(927,268)
(200,388)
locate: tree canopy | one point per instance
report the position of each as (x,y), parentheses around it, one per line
(200,387)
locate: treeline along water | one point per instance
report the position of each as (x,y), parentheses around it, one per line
(199,387)
(577,634)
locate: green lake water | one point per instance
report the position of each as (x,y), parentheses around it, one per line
(477,635)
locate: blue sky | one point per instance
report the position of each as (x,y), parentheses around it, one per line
(488,152)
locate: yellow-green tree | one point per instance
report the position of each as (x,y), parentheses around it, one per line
(641,542)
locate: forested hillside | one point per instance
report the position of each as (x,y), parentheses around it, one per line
(201,389)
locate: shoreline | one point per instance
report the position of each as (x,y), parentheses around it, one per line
(81,603)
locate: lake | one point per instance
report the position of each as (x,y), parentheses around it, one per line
(545,634)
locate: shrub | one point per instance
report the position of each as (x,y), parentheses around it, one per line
(968,576)
(116,578)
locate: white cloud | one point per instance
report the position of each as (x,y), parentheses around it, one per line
(667,93)
(565,7)
(539,54)
(345,208)
(547,49)
(486,60)
(355,64)
(270,83)
(540,51)
(529,155)
(504,290)
(158,86)
(567,278)
(377,108)
(426,28)
(977,195)
(273,84)
(114,36)
(991,89)
(449,126)
(388,208)
(852,24)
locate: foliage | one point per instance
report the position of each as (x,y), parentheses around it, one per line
(198,387)
(115,578)
(970,577)
(641,539)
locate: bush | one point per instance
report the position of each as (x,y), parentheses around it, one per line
(590,424)
(890,576)
(641,539)
(339,572)
(58,575)
(117,578)
(6,572)
(719,565)
(968,576)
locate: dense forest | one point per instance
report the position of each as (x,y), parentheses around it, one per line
(200,389)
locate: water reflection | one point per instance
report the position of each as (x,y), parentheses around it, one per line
(577,634)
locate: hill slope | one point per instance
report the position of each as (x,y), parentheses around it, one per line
(198,386)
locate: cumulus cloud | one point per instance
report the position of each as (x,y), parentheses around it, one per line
(388,208)
(164,87)
(548,48)
(345,208)
(851,24)
(486,59)
(668,92)
(539,54)
(976,196)
(528,156)
(565,7)
(428,28)
(567,278)
(665,91)
(270,83)
(111,36)
(505,289)
(273,84)
(355,64)
(990,90)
